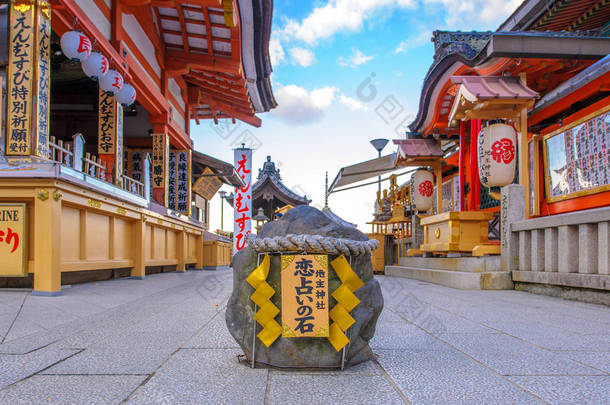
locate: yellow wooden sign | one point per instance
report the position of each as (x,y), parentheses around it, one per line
(12,240)
(20,78)
(107,115)
(304,295)
(207,185)
(160,167)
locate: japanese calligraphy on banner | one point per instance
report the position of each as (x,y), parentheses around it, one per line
(135,165)
(43,70)
(178,181)
(304,295)
(20,78)
(160,167)
(12,240)
(106,123)
(171,181)
(207,185)
(242,202)
(183,182)
(119,157)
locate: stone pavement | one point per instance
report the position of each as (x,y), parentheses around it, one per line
(163,341)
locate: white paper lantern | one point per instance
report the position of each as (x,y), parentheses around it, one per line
(497,155)
(112,82)
(127,95)
(95,66)
(422,189)
(75,45)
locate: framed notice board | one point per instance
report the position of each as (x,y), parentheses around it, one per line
(577,158)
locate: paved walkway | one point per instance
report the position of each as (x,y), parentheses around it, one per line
(163,341)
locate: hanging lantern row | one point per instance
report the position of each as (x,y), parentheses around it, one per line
(77,46)
(497,155)
(422,189)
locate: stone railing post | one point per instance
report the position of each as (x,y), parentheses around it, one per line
(512,203)
(78,150)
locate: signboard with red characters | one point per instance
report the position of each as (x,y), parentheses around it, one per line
(242,202)
(12,240)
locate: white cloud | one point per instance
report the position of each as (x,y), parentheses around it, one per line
(352,103)
(336,16)
(475,14)
(356,59)
(276,51)
(298,106)
(414,42)
(301,56)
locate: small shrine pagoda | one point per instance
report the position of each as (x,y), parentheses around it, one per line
(270,194)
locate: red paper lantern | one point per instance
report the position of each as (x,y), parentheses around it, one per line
(113,82)
(422,189)
(95,66)
(127,95)
(497,155)
(75,45)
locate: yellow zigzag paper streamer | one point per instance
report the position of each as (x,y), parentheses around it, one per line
(267,312)
(346,301)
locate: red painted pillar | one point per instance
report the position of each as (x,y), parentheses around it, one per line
(475,187)
(461,205)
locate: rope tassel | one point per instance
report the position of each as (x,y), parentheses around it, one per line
(346,302)
(267,312)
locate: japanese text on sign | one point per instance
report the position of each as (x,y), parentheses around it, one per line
(43,52)
(304,295)
(159,162)
(20,79)
(207,185)
(242,203)
(106,121)
(12,240)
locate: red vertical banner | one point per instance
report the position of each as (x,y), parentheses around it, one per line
(242,201)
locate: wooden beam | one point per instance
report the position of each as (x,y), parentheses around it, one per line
(185,39)
(178,61)
(228,109)
(172,3)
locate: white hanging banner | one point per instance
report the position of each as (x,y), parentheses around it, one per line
(242,200)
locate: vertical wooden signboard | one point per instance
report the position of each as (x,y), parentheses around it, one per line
(20,78)
(110,136)
(160,168)
(43,70)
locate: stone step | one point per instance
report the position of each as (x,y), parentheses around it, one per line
(495,280)
(466,264)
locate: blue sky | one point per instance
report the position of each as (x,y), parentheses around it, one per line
(322,51)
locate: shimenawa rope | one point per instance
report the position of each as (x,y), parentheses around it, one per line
(312,244)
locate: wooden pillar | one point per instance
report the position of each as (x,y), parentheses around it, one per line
(475,182)
(199,242)
(47,243)
(160,162)
(438,172)
(524,175)
(181,250)
(110,136)
(138,271)
(461,204)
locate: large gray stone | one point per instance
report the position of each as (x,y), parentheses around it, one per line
(304,352)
